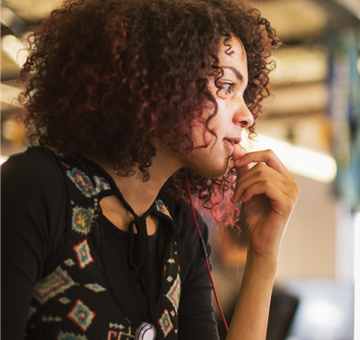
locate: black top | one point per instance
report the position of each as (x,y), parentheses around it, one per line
(34,235)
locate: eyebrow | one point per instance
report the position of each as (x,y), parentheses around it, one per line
(235,71)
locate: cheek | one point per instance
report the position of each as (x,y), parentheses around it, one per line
(199,132)
(217,124)
(223,115)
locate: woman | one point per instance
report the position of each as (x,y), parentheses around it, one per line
(97,234)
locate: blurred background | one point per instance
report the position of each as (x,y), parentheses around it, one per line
(312,121)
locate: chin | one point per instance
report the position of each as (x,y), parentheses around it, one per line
(212,172)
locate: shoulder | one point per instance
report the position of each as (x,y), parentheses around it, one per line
(185,223)
(35,162)
(190,251)
(35,174)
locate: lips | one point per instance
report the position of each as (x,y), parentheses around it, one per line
(232,141)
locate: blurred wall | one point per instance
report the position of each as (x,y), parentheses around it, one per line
(308,248)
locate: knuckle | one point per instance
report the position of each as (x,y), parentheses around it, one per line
(270,153)
(295,189)
(265,184)
(293,199)
(260,167)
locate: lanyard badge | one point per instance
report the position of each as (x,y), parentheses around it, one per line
(146,331)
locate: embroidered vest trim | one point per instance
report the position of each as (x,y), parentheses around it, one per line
(74,302)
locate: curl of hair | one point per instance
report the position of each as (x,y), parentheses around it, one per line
(104,76)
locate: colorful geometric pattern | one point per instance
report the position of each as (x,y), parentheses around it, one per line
(82,306)
(102,183)
(165,323)
(81,315)
(64,300)
(95,287)
(81,221)
(82,182)
(70,262)
(83,255)
(51,319)
(53,284)
(160,207)
(174,293)
(71,336)
(119,335)
(116,326)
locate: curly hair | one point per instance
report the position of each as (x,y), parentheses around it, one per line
(104,76)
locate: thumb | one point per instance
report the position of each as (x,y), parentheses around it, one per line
(238,153)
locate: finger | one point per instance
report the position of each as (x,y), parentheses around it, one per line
(261,169)
(280,201)
(243,185)
(260,172)
(238,153)
(266,156)
(242,170)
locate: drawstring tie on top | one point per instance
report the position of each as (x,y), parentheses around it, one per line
(139,255)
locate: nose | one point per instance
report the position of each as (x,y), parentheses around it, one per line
(243,115)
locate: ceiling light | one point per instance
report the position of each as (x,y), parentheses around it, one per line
(8,94)
(298,160)
(7,16)
(15,49)
(3,159)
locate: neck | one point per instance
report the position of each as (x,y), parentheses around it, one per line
(138,194)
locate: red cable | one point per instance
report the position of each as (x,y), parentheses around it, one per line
(206,260)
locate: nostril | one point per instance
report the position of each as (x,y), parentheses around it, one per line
(244,123)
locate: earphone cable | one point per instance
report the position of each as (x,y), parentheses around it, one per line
(203,249)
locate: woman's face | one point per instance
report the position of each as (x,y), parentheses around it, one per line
(232,116)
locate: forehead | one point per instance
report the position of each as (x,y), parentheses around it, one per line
(232,53)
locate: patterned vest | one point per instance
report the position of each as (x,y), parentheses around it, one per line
(74,302)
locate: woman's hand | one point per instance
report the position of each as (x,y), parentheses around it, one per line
(268,192)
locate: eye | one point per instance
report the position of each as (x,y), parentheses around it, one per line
(228,87)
